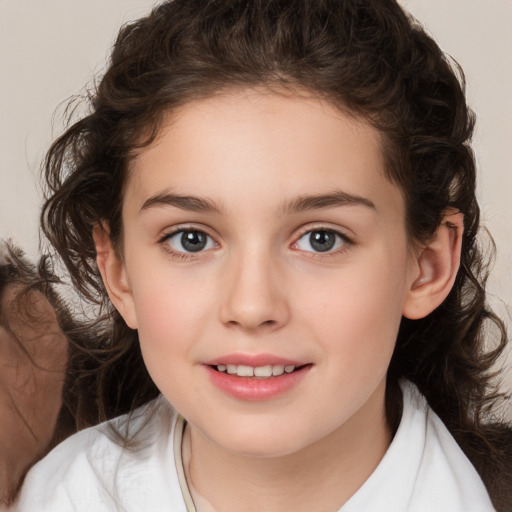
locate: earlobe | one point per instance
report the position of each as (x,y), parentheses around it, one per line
(437,265)
(114,275)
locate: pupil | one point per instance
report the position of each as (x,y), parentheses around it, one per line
(322,241)
(193,241)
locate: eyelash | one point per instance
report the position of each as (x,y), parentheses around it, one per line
(182,255)
(346,242)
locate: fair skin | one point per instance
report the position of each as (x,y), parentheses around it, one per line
(264,177)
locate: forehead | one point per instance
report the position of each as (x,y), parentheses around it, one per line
(246,142)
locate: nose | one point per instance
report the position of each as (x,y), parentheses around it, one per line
(255,295)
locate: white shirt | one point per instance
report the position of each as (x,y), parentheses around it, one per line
(424,470)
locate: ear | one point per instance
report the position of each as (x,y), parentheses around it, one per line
(113,273)
(436,267)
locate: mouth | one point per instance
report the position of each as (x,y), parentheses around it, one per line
(257,372)
(257,381)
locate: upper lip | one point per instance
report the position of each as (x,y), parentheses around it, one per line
(254,360)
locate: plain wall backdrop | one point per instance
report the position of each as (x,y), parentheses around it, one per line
(50,49)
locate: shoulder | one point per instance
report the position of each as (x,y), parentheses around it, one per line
(423,470)
(72,475)
(444,475)
(92,470)
(490,450)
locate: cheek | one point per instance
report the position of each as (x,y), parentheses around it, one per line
(357,311)
(164,313)
(162,322)
(172,314)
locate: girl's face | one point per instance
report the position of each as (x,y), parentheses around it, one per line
(262,236)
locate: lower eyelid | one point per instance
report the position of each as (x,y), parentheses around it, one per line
(343,240)
(165,239)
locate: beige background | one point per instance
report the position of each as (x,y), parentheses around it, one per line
(50,48)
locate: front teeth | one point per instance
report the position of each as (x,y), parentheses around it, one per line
(258,371)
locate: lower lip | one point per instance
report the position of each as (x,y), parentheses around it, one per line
(256,389)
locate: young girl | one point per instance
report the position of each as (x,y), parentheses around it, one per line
(274,203)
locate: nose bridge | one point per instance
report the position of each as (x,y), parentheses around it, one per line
(254,297)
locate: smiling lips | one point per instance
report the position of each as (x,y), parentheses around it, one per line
(266,371)
(256,378)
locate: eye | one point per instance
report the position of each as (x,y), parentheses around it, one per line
(189,240)
(321,240)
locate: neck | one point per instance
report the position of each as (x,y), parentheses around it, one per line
(321,476)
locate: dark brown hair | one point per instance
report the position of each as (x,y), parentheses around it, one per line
(366,57)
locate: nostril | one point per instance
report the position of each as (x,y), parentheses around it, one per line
(265,323)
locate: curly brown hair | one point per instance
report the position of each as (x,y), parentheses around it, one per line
(367,57)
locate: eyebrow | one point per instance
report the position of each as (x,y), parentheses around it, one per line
(295,205)
(189,203)
(333,199)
